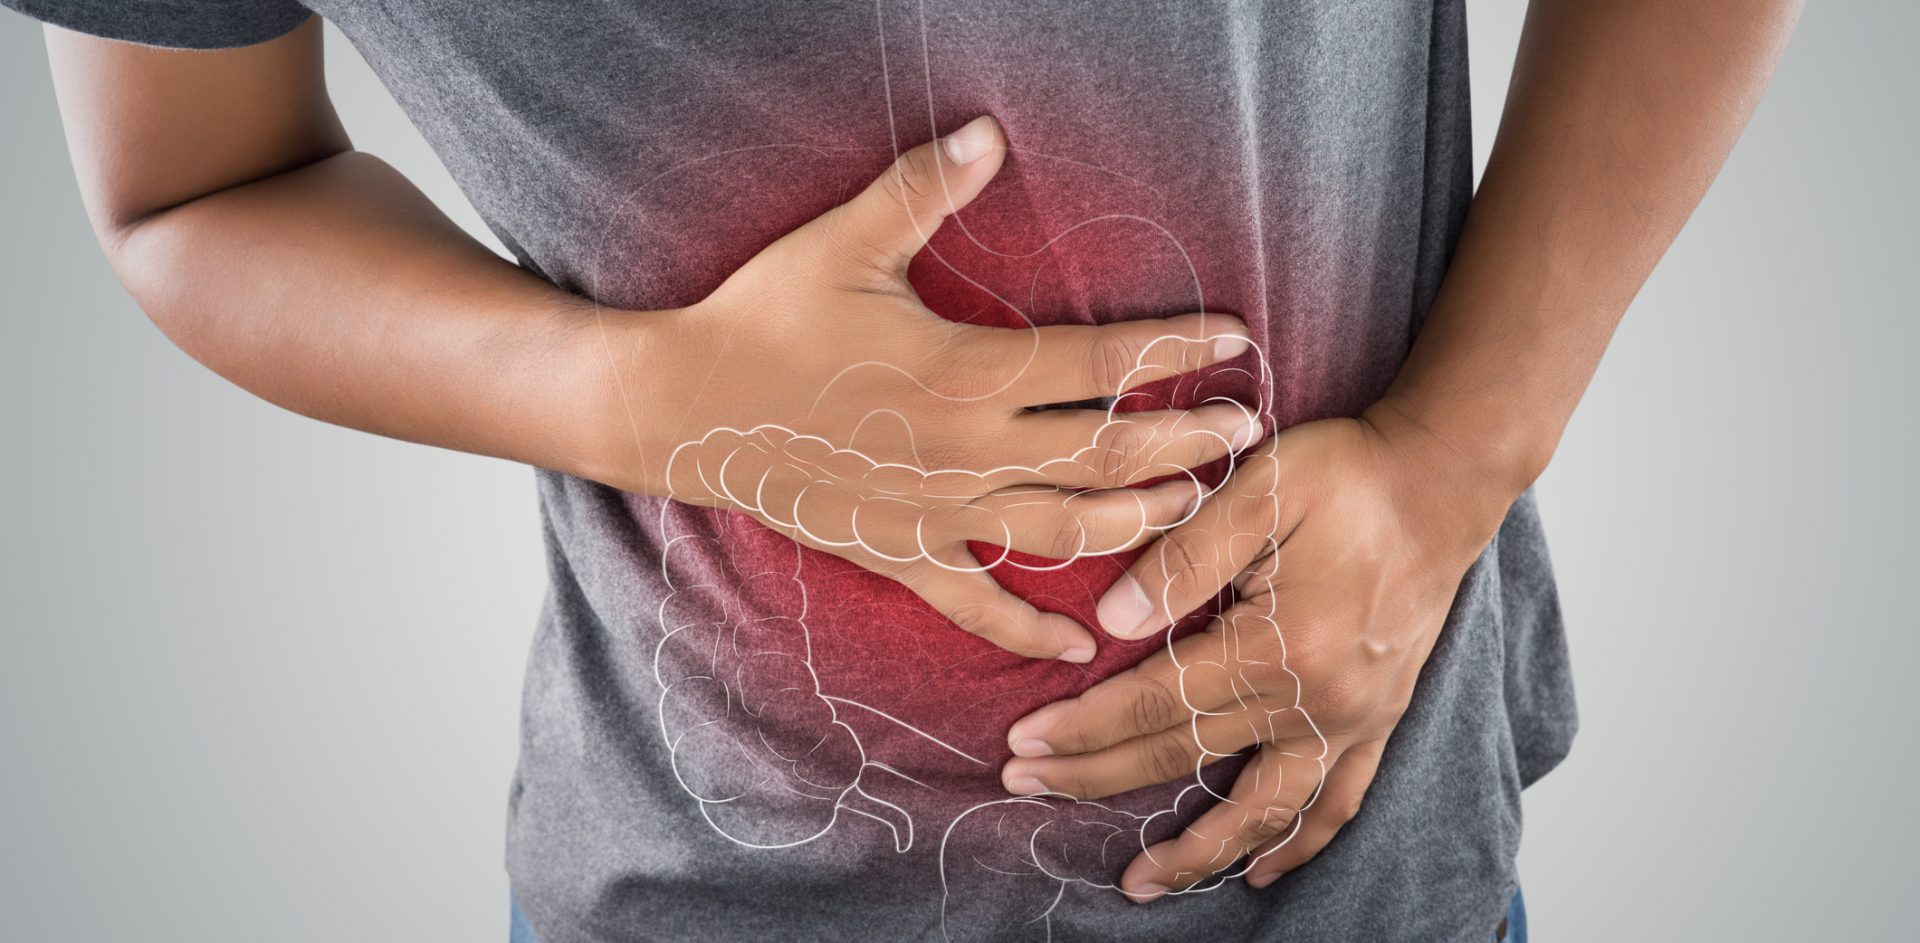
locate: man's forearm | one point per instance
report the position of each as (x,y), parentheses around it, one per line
(1620,115)
(339,291)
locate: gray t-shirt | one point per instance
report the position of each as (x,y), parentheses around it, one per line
(726,736)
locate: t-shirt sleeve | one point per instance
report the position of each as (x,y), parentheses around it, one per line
(175,24)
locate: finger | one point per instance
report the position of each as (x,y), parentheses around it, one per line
(1085,448)
(1186,568)
(1066,525)
(973,601)
(1142,761)
(1337,803)
(1238,664)
(1074,362)
(1153,696)
(892,219)
(1160,757)
(1156,758)
(1262,806)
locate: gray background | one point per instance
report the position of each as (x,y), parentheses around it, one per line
(259,676)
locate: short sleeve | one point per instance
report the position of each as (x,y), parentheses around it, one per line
(174,24)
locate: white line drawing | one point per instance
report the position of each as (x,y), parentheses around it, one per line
(767,753)
(754,740)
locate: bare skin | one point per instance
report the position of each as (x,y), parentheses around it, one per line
(231,205)
(1348,538)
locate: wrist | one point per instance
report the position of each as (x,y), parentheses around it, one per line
(613,365)
(1475,469)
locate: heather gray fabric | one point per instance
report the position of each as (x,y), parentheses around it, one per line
(1305,165)
(180,24)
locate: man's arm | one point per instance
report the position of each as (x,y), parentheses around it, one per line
(1349,537)
(229,202)
(231,205)
(1618,117)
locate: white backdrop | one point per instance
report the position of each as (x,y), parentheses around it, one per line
(259,677)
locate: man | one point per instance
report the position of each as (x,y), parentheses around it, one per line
(945,534)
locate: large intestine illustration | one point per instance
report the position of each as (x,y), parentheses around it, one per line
(753,738)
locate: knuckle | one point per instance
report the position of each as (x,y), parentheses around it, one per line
(1153,708)
(1065,538)
(1112,358)
(913,179)
(1122,452)
(1189,575)
(1266,823)
(1167,758)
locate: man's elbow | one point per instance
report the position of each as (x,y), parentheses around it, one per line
(166,274)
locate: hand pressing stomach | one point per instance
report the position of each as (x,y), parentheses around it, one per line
(852,629)
(884,563)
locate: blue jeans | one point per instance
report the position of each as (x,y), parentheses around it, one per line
(1516,921)
(1516,924)
(518,931)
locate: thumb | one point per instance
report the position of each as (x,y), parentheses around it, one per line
(893,218)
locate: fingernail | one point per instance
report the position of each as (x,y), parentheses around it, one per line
(1229,346)
(1078,654)
(1025,786)
(1027,728)
(1125,608)
(969,143)
(1258,881)
(1248,435)
(1143,893)
(1031,747)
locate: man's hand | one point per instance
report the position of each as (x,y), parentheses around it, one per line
(813,391)
(1345,541)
